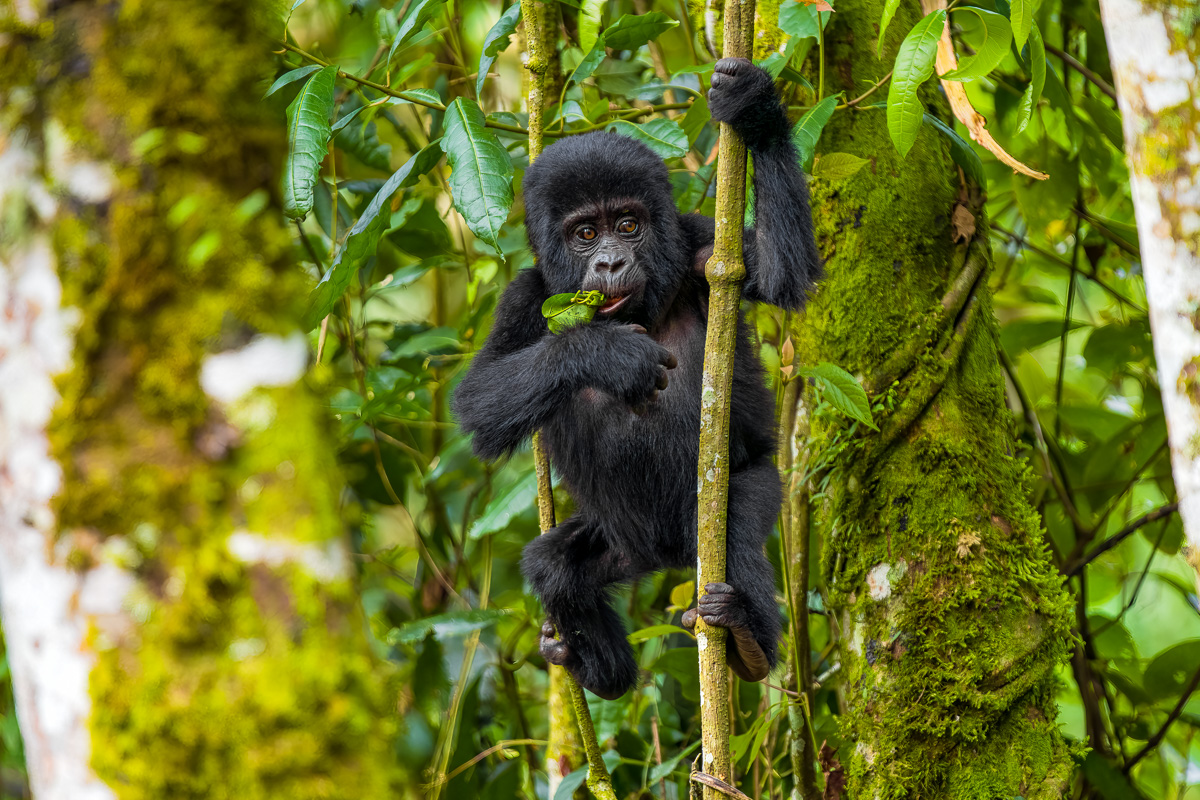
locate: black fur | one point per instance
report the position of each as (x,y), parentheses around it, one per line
(600,215)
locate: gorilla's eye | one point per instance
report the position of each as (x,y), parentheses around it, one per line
(586,232)
(627,225)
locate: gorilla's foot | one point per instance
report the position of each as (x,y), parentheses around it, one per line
(722,607)
(607,681)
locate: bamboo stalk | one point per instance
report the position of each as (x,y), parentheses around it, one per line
(725,271)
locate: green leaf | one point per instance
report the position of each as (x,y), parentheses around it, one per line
(563,311)
(1106,119)
(1108,781)
(308,141)
(808,129)
(589,63)
(481,172)
(914,66)
(801,19)
(499,513)
(418,13)
(960,150)
(291,77)
(434,341)
(1028,334)
(571,782)
(842,391)
(1020,14)
(496,40)
(989,51)
(362,142)
(589,23)
(838,166)
(632,31)
(664,769)
(889,11)
(653,632)
(455,623)
(1170,671)
(696,118)
(426,95)
(364,237)
(662,135)
(1035,62)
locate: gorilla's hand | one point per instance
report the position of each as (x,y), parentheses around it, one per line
(744,96)
(632,366)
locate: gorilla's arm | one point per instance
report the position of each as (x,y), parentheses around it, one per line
(782,263)
(524,375)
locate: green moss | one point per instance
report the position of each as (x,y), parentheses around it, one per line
(957,617)
(234,680)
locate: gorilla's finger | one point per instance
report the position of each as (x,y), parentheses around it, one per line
(548,629)
(689,618)
(639,409)
(661,380)
(654,395)
(718,588)
(637,328)
(670,362)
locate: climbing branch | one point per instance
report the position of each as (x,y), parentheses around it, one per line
(725,271)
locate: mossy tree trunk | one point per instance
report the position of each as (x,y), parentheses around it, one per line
(1154,50)
(950,614)
(177,589)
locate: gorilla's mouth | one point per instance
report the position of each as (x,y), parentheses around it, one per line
(613,303)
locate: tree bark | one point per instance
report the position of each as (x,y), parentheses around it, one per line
(950,614)
(176,588)
(1153,50)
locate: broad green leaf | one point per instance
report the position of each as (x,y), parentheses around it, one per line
(914,66)
(563,311)
(418,13)
(653,632)
(308,141)
(696,118)
(362,142)
(1020,14)
(589,23)
(455,623)
(664,769)
(801,19)
(777,62)
(481,172)
(500,512)
(1108,781)
(589,63)
(1170,671)
(838,166)
(633,30)
(1107,120)
(808,130)
(386,24)
(423,95)
(842,391)
(434,341)
(496,40)
(364,237)
(1028,334)
(989,51)
(960,150)
(570,783)
(889,11)
(291,77)
(662,135)
(1035,62)
(682,594)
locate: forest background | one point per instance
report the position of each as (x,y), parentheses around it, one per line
(980,557)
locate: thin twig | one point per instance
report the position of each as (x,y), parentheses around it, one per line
(1074,64)
(1157,738)
(1122,535)
(718,784)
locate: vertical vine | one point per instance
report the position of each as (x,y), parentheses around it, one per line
(725,271)
(565,697)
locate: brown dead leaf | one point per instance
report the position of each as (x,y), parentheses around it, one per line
(835,775)
(964,223)
(961,105)
(820,5)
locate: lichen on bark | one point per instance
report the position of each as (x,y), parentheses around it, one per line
(232,676)
(951,616)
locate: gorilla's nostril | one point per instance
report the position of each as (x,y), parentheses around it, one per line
(613,264)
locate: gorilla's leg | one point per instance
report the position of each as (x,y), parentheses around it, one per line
(570,569)
(745,603)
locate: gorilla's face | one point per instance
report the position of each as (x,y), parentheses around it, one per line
(610,239)
(600,216)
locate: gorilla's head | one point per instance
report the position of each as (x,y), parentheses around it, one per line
(599,214)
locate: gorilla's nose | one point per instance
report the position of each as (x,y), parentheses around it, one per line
(610,262)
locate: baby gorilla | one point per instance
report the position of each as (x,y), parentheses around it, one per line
(618,400)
